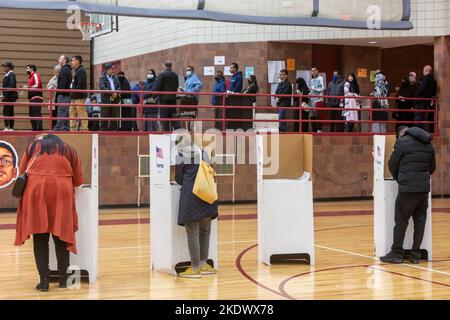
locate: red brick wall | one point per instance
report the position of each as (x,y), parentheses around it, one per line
(396,63)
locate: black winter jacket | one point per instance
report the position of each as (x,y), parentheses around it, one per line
(10,82)
(413,161)
(104,84)
(168,82)
(64,80)
(79,83)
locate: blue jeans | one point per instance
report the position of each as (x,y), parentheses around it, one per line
(63,112)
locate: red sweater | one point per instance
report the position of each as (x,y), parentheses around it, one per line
(34,81)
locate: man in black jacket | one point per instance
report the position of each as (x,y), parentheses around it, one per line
(64,83)
(284,87)
(412,163)
(9,81)
(427,89)
(168,82)
(335,88)
(108,81)
(78,107)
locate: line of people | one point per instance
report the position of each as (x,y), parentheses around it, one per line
(70,74)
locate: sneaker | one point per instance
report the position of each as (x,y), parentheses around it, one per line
(6,129)
(191,273)
(207,269)
(392,257)
(413,256)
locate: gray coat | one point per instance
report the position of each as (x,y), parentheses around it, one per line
(335,88)
(191,208)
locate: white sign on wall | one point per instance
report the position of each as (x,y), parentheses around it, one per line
(219,60)
(209,71)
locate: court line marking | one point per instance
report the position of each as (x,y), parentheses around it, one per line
(378,260)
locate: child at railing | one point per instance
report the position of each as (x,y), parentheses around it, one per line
(94,111)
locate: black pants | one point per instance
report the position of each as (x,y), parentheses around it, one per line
(409,205)
(186,113)
(109,112)
(35,111)
(335,115)
(8,111)
(168,113)
(41,254)
(349,126)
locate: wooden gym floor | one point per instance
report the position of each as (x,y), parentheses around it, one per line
(345,266)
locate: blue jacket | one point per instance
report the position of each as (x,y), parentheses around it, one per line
(192,84)
(135,97)
(219,86)
(236,82)
(151,85)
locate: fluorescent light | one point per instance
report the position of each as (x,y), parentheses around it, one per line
(372,42)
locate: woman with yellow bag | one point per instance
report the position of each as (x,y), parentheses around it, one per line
(198,204)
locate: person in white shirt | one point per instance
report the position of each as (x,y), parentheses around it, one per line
(317,88)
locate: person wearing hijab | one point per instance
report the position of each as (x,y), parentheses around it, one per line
(380,91)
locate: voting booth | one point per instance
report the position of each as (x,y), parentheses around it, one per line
(85,263)
(169,248)
(384,194)
(285,198)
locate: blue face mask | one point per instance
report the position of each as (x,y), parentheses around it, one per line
(335,77)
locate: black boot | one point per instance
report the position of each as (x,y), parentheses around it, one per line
(392,257)
(63,278)
(43,284)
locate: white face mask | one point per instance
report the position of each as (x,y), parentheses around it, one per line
(188,73)
(150,76)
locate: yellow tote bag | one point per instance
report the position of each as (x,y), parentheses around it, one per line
(205,187)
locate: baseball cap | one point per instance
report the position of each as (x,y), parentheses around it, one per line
(8,64)
(109,66)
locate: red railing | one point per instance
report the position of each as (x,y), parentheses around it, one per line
(224,107)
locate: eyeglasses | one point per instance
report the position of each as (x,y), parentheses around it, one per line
(5,162)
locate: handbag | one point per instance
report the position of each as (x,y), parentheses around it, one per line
(205,187)
(21,181)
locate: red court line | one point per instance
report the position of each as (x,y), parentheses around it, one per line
(282,286)
(227,217)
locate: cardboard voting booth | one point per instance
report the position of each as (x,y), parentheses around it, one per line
(169,248)
(86,198)
(285,198)
(384,194)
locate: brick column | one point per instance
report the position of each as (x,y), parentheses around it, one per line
(442,74)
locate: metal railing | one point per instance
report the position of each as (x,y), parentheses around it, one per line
(432,107)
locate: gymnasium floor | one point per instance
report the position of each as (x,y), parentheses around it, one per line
(345,267)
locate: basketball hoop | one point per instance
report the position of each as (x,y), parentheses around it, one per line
(88,29)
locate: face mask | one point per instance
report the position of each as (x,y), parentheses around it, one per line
(188,73)
(218,78)
(334,77)
(150,76)
(28,72)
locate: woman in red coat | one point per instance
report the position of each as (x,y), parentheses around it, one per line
(48,204)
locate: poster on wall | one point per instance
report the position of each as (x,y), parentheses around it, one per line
(291,64)
(209,71)
(273,99)
(274,68)
(249,71)
(227,71)
(362,73)
(305,74)
(372,75)
(219,60)
(9,164)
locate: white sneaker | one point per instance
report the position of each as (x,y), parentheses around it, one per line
(6,129)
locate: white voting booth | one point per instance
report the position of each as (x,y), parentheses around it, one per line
(169,249)
(86,198)
(285,198)
(384,194)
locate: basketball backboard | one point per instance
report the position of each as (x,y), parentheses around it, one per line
(108,23)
